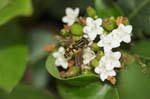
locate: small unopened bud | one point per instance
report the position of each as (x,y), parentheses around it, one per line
(94,62)
(95,47)
(77,29)
(67,28)
(63,32)
(112,80)
(73,71)
(70,63)
(87,72)
(82,20)
(109,24)
(62,74)
(99,55)
(91,12)
(122,20)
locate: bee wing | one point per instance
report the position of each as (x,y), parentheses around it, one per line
(78,58)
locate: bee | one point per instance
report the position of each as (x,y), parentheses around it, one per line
(75,47)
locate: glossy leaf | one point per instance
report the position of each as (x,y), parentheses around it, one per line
(80,87)
(11,8)
(134,80)
(51,68)
(12,66)
(29,92)
(76,81)
(94,90)
(2,94)
(11,34)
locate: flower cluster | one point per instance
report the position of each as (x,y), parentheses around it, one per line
(103,36)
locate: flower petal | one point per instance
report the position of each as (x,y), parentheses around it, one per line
(98,21)
(117,55)
(111,73)
(56,54)
(76,11)
(88,55)
(129,29)
(103,76)
(64,19)
(127,39)
(89,21)
(69,11)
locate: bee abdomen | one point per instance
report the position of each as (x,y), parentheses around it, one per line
(75,48)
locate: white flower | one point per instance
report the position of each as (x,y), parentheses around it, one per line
(93,28)
(71,16)
(111,60)
(124,33)
(109,41)
(88,55)
(113,39)
(104,73)
(60,59)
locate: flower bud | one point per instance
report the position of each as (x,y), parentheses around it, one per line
(95,47)
(63,32)
(94,63)
(91,12)
(73,71)
(99,55)
(82,20)
(87,72)
(122,20)
(76,29)
(109,24)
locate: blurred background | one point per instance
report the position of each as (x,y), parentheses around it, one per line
(27,26)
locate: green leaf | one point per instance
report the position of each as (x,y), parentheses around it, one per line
(51,68)
(12,8)
(3,3)
(141,48)
(76,81)
(12,66)
(107,10)
(11,34)
(134,80)
(2,94)
(138,12)
(29,92)
(81,87)
(95,90)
